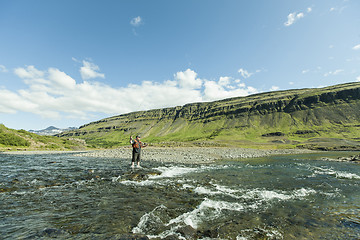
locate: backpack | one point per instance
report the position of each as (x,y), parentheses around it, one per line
(137,144)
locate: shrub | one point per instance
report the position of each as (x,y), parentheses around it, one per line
(9,139)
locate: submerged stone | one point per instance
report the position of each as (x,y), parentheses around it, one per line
(130,236)
(139,174)
(49,233)
(187,231)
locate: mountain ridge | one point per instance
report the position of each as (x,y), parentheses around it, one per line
(51,130)
(299,114)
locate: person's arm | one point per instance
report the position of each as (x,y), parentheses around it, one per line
(131,140)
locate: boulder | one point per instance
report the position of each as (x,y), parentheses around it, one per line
(130,236)
(139,174)
(187,231)
(355,158)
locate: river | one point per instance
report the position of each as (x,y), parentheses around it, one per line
(45,196)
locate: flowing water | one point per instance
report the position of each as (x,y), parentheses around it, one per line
(280,197)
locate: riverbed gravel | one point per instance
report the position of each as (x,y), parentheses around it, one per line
(189,154)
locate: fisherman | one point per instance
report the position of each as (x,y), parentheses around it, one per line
(136,154)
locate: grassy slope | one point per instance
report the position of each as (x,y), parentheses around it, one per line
(300,115)
(11,139)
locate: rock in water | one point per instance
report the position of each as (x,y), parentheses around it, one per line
(130,236)
(355,158)
(139,174)
(50,233)
(187,231)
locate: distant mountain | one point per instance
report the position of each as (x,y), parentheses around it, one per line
(310,118)
(51,131)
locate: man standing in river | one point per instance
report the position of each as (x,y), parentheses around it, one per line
(136,154)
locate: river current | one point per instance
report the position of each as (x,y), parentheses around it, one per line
(279,197)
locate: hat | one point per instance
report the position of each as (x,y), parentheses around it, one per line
(138,136)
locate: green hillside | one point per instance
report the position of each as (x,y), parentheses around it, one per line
(11,139)
(313,118)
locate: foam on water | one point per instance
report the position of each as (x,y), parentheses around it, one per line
(138,183)
(208,210)
(337,174)
(173,171)
(329,171)
(347,175)
(176,171)
(148,218)
(116,179)
(259,194)
(223,191)
(167,173)
(269,195)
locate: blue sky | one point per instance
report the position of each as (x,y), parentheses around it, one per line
(66,63)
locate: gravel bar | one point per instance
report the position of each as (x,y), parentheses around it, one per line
(189,154)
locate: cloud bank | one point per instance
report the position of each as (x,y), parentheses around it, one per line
(54,94)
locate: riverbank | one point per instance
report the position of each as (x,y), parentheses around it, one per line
(186,154)
(21,152)
(189,154)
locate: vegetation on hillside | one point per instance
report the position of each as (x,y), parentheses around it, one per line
(283,119)
(11,139)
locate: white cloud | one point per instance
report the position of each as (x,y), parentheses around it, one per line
(338,9)
(224,81)
(3,68)
(137,21)
(89,70)
(358,79)
(188,79)
(244,73)
(61,79)
(274,88)
(53,94)
(357,47)
(299,15)
(29,73)
(336,72)
(11,102)
(75,60)
(294,16)
(226,87)
(305,71)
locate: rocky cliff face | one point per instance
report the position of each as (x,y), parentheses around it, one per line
(292,112)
